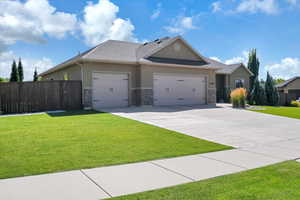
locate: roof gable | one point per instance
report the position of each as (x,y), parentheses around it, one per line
(175,48)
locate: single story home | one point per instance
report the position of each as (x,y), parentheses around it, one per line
(289,90)
(166,71)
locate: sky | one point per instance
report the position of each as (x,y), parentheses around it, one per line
(44,33)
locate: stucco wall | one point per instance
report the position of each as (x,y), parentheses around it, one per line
(140,79)
(240,73)
(89,68)
(73,73)
(177,50)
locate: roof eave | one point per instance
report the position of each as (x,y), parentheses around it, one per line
(222,73)
(62,66)
(110,61)
(59,67)
(179,65)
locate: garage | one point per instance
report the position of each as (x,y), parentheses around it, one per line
(171,89)
(110,90)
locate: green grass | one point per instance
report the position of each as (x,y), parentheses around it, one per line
(50,143)
(276,182)
(292,112)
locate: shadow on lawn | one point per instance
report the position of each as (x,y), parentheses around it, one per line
(73,113)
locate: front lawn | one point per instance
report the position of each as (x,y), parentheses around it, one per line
(276,182)
(292,112)
(73,140)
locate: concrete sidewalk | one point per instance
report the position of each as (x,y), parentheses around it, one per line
(106,182)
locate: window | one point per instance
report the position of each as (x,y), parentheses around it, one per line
(239,83)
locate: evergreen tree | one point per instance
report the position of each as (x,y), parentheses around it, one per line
(253,66)
(20,71)
(14,76)
(257,96)
(35,75)
(272,94)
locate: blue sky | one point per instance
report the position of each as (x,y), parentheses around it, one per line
(46,32)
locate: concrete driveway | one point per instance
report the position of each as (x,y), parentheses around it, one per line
(250,131)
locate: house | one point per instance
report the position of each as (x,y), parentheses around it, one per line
(289,90)
(167,71)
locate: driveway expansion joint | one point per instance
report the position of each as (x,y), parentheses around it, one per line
(94,182)
(170,170)
(228,163)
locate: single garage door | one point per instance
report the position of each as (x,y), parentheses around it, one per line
(179,90)
(110,90)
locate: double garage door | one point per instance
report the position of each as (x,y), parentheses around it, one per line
(179,90)
(112,90)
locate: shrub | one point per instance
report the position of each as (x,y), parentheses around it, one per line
(295,103)
(238,98)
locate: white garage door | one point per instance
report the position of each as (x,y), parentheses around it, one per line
(110,90)
(179,90)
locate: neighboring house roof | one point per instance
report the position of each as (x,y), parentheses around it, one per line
(284,84)
(229,69)
(113,51)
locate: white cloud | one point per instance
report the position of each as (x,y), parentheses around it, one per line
(216,58)
(286,68)
(29,65)
(235,60)
(292,2)
(31,21)
(181,25)
(254,6)
(156,12)
(101,23)
(239,59)
(216,6)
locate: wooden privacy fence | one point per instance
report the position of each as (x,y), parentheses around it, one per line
(40,96)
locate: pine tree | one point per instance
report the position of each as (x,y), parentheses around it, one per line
(20,71)
(35,75)
(272,94)
(14,77)
(253,66)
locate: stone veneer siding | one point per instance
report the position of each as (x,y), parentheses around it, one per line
(87,98)
(146,96)
(211,96)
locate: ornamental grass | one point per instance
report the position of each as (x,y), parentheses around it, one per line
(238,98)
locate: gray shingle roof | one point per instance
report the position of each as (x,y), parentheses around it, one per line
(280,85)
(114,50)
(228,69)
(131,52)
